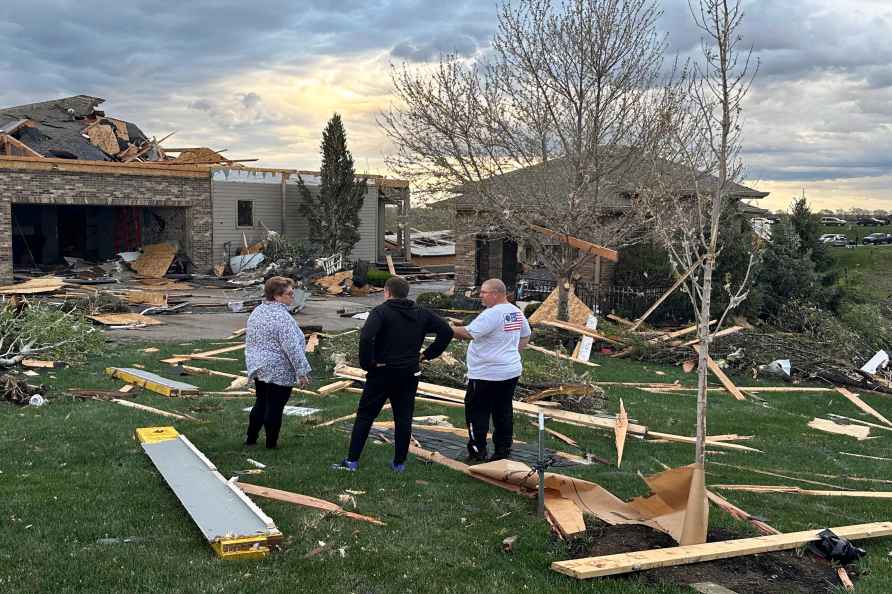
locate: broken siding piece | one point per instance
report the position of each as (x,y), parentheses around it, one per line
(151,381)
(591,567)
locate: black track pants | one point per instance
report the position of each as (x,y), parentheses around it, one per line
(485,399)
(398,386)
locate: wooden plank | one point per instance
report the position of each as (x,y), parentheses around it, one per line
(719,334)
(778,475)
(46,284)
(335,387)
(153,410)
(740,514)
(663,297)
(205,371)
(545,351)
(620,430)
(591,567)
(693,440)
(620,320)
(580,244)
(208,358)
(859,421)
(580,330)
(390,267)
(724,379)
(312,342)
(560,436)
(181,358)
(854,399)
(438,458)
(565,515)
(41,364)
(458,396)
(800,491)
(860,432)
(305,501)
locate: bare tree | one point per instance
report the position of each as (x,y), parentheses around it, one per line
(548,131)
(694,173)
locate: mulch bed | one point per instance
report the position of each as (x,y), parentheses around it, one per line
(778,572)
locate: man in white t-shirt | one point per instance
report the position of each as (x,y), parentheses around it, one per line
(497,336)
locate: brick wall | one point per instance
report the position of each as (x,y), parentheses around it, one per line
(465,248)
(108,188)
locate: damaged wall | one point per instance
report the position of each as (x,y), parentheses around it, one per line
(63,182)
(262,190)
(166,224)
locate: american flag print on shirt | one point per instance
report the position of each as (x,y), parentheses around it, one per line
(513,321)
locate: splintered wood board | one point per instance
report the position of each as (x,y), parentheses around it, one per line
(147,297)
(591,567)
(181,358)
(124,319)
(151,381)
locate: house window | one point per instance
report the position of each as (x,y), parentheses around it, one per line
(245,213)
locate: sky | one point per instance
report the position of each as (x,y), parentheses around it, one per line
(261,78)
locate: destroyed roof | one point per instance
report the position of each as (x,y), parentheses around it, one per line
(58,128)
(428,243)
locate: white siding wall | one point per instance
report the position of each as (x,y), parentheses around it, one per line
(266,195)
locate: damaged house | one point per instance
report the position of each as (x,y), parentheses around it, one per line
(483,250)
(76,183)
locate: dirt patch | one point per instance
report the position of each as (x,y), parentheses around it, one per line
(779,572)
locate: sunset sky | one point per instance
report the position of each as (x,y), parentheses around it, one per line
(261,78)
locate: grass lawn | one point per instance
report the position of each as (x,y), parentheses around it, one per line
(71,474)
(867,267)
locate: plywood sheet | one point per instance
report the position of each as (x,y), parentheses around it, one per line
(155,298)
(578,311)
(155,260)
(859,432)
(46,284)
(124,319)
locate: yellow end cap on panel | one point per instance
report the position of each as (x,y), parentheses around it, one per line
(156,434)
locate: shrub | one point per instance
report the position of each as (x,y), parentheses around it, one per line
(434,300)
(377,278)
(867,320)
(530,309)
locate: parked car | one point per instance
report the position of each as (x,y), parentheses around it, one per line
(835,240)
(877,239)
(834,222)
(872,222)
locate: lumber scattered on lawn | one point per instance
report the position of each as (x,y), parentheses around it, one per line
(868,457)
(709,442)
(545,351)
(663,297)
(859,421)
(724,379)
(620,430)
(330,388)
(778,475)
(439,458)
(580,330)
(860,432)
(206,371)
(183,358)
(560,436)
(346,418)
(678,333)
(305,501)
(591,567)
(800,491)
(740,514)
(564,514)
(620,320)
(854,399)
(458,396)
(153,410)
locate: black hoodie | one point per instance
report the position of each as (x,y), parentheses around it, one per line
(394,333)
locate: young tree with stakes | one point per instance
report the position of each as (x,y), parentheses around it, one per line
(685,203)
(333,214)
(547,131)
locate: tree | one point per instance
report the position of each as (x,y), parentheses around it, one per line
(548,131)
(806,226)
(787,273)
(686,202)
(333,213)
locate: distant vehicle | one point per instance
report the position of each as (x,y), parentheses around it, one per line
(872,222)
(835,240)
(834,221)
(763,221)
(877,239)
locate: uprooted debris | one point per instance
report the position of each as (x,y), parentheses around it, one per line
(17,391)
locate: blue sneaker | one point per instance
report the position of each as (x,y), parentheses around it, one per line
(398,467)
(346,464)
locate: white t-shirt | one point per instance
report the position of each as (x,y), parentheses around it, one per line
(493,353)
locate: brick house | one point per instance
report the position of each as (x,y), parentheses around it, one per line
(482,250)
(65,192)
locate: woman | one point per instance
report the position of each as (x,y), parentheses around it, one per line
(275,357)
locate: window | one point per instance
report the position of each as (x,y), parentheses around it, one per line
(245,213)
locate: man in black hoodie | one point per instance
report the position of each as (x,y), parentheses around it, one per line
(389,347)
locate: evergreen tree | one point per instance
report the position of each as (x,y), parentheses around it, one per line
(333,213)
(806,226)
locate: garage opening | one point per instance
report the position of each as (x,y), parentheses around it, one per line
(44,235)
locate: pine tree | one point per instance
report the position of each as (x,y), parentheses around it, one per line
(806,226)
(333,213)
